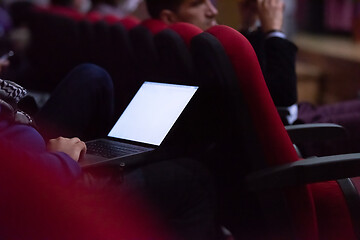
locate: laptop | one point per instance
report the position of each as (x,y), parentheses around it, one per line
(142,127)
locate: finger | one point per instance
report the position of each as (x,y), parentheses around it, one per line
(53,141)
(261,4)
(82,149)
(75,140)
(59,139)
(283,5)
(83,152)
(81,146)
(279,3)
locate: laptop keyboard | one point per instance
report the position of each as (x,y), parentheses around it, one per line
(108,150)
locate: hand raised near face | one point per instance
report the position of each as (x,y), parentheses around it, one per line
(73,147)
(271,14)
(248,13)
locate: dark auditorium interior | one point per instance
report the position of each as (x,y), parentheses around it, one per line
(266,148)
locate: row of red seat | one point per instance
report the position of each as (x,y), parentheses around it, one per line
(93,16)
(274,193)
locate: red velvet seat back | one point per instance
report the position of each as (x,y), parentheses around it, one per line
(110,48)
(128,22)
(274,141)
(154,25)
(332,210)
(257,96)
(62,11)
(145,53)
(93,16)
(54,42)
(122,66)
(333,219)
(175,62)
(186,30)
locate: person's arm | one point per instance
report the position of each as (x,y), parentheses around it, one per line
(276,55)
(280,54)
(57,165)
(73,147)
(271,14)
(22,144)
(279,70)
(248,15)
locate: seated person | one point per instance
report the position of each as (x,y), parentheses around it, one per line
(203,14)
(262,24)
(177,192)
(200,13)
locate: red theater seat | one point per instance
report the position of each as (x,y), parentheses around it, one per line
(62,11)
(128,22)
(277,195)
(155,26)
(145,52)
(186,30)
(93,16)
(175,60)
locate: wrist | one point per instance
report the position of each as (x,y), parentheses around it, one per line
(275,33)
(270,31)
(268,26)
(251,27)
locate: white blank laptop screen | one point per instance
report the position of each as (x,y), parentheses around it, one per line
(152,112)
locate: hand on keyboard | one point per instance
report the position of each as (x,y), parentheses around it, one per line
(73,147)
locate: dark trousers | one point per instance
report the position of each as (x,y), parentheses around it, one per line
(80,106)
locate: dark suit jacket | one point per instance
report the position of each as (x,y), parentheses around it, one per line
(277,59)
